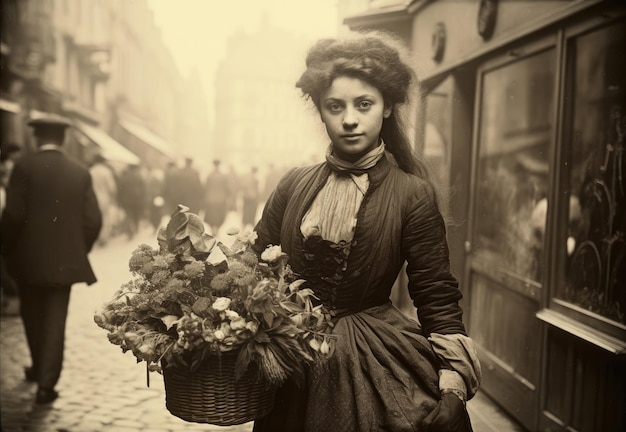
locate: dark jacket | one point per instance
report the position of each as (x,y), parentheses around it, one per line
(51,220)
(398,221)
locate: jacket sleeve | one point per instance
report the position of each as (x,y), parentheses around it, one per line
(14,213)
(432,286)
(92,217)
(436,294)
(269,227)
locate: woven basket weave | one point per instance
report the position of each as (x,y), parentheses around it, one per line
(211,394)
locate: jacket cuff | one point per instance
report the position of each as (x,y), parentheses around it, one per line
(452,382)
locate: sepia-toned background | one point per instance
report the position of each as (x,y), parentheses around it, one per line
(520,114)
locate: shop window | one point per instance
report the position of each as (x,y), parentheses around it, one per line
(512,178)
(592,242)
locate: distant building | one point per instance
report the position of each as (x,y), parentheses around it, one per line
(260,117)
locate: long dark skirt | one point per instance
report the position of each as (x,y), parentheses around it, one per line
(382,377)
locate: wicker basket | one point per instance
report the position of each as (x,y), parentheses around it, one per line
(211,394)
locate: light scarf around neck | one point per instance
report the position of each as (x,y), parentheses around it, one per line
(333,213)
(366,161)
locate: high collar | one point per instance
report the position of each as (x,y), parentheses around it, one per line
(379,171)
(361,166)
(376,174)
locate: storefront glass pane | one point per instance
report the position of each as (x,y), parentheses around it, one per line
(593,274)
(512,183)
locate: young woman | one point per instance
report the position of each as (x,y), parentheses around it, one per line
(348,225)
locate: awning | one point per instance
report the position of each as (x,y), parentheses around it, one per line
(111,149)
(148,137)
(9,106)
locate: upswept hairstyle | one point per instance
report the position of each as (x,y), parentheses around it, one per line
(376,58)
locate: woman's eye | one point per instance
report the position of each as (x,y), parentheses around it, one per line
(365,105)
(334,107)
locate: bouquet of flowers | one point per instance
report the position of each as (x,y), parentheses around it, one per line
(195,298)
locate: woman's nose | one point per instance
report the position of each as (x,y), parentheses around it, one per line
(350,119)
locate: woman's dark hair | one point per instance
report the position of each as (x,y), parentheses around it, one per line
(375,58)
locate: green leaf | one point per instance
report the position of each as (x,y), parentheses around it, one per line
(268,317)
(262,337)
(260,350)
(291,307)
(243,361)
(201,306)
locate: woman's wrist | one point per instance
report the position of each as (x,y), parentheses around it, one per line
(452,380)
(457,393)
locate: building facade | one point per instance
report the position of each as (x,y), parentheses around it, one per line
(103,64)
(522,116)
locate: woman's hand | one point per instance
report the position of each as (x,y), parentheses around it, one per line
(450,415)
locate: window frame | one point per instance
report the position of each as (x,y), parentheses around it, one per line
(594,328)
(480,262)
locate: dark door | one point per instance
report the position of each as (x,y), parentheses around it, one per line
(514,135)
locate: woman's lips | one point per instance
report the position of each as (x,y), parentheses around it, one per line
(352,137)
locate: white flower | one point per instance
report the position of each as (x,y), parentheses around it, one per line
(221,303)
(248,237)
(225,327)
(297,319)
(219,335)
(132,338)
(253,326)
(238,324)
(230,340)
(271,253)
(232,231)
(315,344)
(208,336)
(325,347)
(231,314)
(146,348)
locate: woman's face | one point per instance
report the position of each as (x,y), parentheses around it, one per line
(353,113)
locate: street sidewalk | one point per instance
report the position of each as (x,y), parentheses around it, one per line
(103,390)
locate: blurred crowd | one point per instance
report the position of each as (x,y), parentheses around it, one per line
(133,197)
(136,194)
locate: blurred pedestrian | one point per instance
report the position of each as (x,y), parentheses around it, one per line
(183,186)
(348,226)
(170,185)
(249,187)
(272,178)
(217,195)
(132,193)
(105,188)
(155,195)
(189,186)
(9,153)
(49,225)
(233,181)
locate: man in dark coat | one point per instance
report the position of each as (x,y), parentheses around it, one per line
(49,225)
(188,186)
(132,195)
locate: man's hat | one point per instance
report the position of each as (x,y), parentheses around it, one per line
(48,121)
